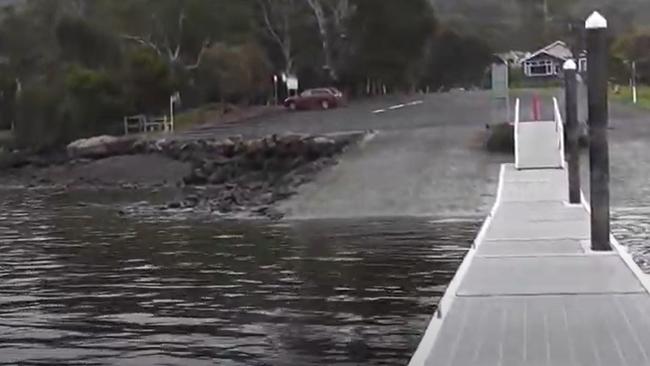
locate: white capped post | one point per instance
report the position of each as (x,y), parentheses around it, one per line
(571,112)
(570,65)
(597,80)
(596,21)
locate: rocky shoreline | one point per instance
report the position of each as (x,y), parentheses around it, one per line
(226,177)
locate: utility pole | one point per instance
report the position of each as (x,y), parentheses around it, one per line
(597,58)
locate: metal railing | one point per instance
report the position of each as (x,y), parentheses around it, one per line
(559,128)
(142,123)
(516,128)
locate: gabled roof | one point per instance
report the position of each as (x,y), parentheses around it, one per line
(557,49)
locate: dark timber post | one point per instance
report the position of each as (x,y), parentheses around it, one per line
(597,58)
(573,150)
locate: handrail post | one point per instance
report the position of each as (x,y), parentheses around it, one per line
(516,130)
(597,58)
(573,148)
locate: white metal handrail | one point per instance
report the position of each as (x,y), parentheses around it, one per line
(143,124)
(134,123)
(516,128)
(559,127)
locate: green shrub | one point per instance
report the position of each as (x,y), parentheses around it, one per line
(39,120)
(86,43)
(6,140)
(234,74)
(84,104)
(7,100)
(94,100)
(148,80)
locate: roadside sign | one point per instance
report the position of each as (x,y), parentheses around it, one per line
(292,83)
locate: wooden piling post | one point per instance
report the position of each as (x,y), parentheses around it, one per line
(597,59)
(573,148)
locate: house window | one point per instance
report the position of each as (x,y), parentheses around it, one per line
(541,68)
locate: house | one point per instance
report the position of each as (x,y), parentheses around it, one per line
(548,61)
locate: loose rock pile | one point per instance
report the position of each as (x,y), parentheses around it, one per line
(249,175)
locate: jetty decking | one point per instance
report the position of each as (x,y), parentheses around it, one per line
(531,291)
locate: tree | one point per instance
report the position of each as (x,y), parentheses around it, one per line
(8,89)
(632,47)
(389,38)
(235,74)
(93,100)
(278,18)
(86,43)
(179,31)
(149,81)
(332,18)
(455,60)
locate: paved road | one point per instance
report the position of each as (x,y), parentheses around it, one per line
(460,108)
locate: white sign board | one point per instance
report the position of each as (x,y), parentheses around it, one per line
(292,83)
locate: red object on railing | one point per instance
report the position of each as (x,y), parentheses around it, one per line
(537,108)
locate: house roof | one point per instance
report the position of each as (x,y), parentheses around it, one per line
(557,49)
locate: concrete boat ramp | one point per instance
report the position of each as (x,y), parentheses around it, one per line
(531,291)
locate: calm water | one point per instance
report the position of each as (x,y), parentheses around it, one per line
(81,284)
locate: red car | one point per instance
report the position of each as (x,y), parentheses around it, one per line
(321,98)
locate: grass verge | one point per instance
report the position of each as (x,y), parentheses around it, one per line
(624,95)
(200,115)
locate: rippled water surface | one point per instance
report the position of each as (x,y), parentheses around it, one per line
(81,284)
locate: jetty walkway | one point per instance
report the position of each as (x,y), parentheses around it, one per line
(531,291)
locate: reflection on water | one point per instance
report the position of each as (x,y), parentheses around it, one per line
(80,284)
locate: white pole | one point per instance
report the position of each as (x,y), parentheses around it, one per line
(634,90)
(276,92)
(171,113)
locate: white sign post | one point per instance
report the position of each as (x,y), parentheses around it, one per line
(173,100)
(275,89)
(634,90)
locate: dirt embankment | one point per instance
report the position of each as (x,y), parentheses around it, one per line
(226,176)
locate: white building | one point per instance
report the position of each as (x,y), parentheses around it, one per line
(547,62)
